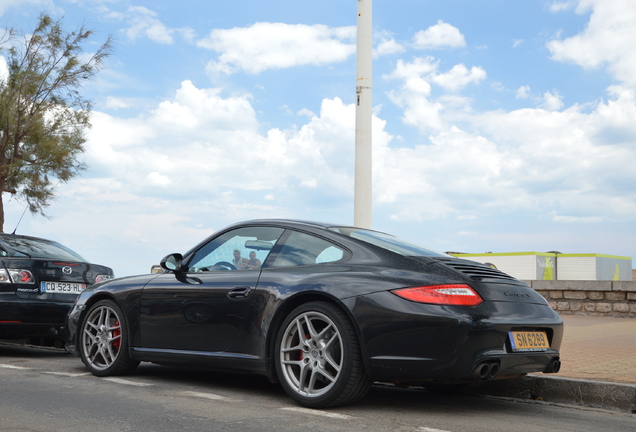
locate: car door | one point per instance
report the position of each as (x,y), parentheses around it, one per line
(203,307)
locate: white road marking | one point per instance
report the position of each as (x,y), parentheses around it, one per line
(427,429)
(319,413)
(7,366)
(126,382)
(211,396)
(68,374)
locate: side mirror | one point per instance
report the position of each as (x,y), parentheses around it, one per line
(172,262)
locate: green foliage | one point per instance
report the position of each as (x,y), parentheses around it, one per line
(43,116)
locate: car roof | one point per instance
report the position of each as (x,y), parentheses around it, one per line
(6,235)
(291,222)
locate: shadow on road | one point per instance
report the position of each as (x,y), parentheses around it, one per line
(15,349)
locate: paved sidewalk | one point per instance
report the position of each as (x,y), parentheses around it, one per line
(599,349)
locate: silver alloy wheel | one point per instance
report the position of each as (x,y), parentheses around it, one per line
(101,337)
(311,354)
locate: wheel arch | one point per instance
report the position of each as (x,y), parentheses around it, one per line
(286,308)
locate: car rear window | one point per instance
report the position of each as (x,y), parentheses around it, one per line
(11,246)
(388,242)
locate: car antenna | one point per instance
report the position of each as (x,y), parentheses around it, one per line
(18,224)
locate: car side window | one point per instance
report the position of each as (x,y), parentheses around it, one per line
(240,249)
(305,249)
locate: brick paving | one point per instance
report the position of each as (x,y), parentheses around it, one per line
(599,349)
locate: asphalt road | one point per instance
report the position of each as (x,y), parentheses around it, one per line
(49,390)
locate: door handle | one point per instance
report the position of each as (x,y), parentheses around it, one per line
(239,293)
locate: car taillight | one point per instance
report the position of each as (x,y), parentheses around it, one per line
(18,276)
(102,278)
(450,294)
(24,276)
(4,277)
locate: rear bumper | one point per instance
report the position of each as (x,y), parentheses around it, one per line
(28,318)
(410,341)
(422,369)
(15,309)
(30,331)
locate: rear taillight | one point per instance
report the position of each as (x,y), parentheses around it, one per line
(18,276)
(24,276)
(450,294)
(4,277)
(102,278)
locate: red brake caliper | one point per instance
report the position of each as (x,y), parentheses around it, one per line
(117,333)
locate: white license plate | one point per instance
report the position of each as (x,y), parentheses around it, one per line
(62,287)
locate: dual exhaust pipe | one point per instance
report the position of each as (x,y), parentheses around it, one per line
(486,370)
(490,369)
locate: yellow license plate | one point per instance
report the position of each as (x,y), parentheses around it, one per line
(524,341)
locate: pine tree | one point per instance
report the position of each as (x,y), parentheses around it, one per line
(43,116)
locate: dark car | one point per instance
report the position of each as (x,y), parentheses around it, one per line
(325,310)
(39,281)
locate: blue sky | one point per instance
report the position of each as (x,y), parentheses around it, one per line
(498,126)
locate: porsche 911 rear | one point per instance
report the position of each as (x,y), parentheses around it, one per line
(477,324)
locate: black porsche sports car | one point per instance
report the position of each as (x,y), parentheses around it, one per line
(39,281)
(323,309)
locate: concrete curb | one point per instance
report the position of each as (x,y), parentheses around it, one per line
(595,394)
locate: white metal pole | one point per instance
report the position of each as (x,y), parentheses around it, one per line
(362,207)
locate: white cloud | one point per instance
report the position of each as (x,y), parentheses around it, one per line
(116,103)
(202,144)
(158,179)
(388,47)
(459,77)
(574,161)
(277,45)
(557,6)
(415,96)
(523,92)
(576,219)
(414,99)
(552,101)
(440,35)
(414,73)
(144,22)
(385,44)
(430,181)
(606,41)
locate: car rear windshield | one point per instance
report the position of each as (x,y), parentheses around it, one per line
(388,242)
(13,246)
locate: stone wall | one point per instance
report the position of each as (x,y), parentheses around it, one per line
(599,298)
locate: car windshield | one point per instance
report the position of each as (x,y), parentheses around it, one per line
(388,242)
(13,246)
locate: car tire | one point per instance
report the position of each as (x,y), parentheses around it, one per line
(103,340)
(318,358)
